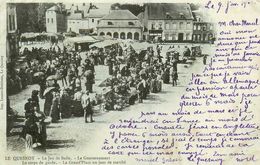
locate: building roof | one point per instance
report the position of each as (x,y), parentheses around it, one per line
(121,25)
(53,8)
(161,11)
(75,16)
(141,16)
(120,15)
(201,16)
(99,10)
(56,8)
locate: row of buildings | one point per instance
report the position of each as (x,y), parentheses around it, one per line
(166,22)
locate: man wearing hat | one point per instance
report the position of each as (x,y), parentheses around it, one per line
(28,107)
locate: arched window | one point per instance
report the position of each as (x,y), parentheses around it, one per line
(122,35)
(109,34)
(115,35)
(129,35)
(101,33)
(136,36)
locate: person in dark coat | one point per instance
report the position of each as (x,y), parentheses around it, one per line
(28,108)
(48,103)
(174,78)
(35,98)
(65,104)
(42,84)
(55,108)
(89,82)
(125,71)
(205,59)
(110,65)
(166,75)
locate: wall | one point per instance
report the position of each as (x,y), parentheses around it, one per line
(75,25)
(120,30)
(120,26)
(51,24)
(61,22)
(93,24)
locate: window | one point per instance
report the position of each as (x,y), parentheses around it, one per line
(182,15)
(10,23)
(13,22)
(167,26)
(102,34)
(181,25)
(52,20)
(204,27)
(198,27)
(188,36)
(122,35)
(109,23)
(129,35)
(130,23)
(174,37)
(136,36)
(188,25)
(174,25)
(210,36)
(199,37)
(152,26)
(160,26)
(93,20)
(166,37)
(115,35)
(194,27)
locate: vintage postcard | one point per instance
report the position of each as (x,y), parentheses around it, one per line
(130,82)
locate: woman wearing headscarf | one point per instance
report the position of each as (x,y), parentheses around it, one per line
(78,109)
(65,104)
(55,107)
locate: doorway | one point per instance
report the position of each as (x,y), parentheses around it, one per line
(180,37)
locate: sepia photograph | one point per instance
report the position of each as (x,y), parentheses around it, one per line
(75,63)
(132,83)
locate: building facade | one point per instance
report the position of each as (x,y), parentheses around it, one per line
(168,22)
(84,18)
(120,24)
(203,29)
(56,21)
(12,33)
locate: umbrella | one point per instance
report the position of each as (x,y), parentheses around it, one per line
(142,72)
(88,73)
(54,77)
(47,90)
(105,83)
(37,74)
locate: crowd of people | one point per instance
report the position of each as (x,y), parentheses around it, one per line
(133,75)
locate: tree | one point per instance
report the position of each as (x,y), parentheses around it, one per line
(31,16)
